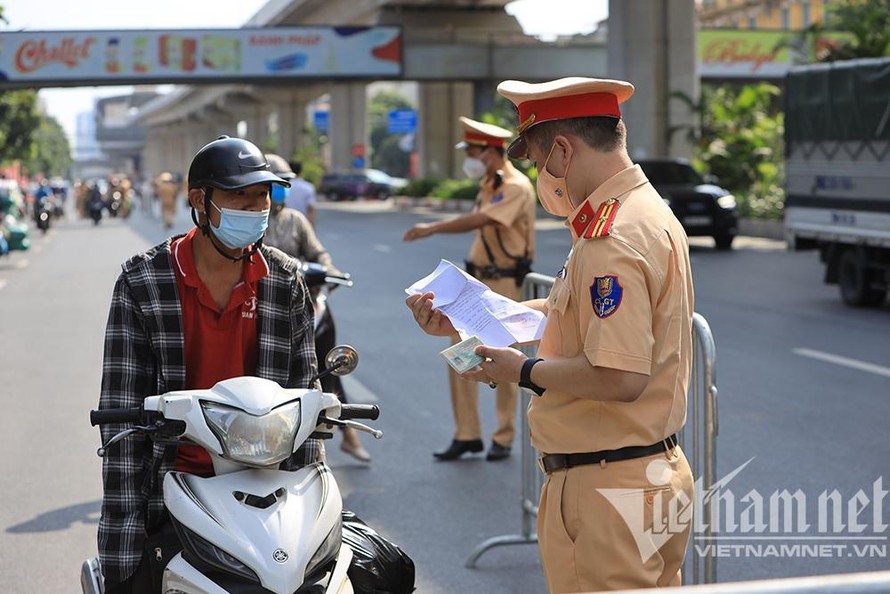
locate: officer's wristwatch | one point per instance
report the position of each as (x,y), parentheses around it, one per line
(525,377)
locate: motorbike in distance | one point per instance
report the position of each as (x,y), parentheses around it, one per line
(43,212)
(95,206)
(251,527)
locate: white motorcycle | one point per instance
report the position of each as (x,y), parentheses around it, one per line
(251,527)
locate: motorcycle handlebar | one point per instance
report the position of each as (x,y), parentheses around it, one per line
(107,416)
(359,411)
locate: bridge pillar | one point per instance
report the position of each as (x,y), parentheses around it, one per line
(652,45)
(257,119)
(348,127)
(153,152)
(484,94)
(177,160)
(438,129)
(291,124)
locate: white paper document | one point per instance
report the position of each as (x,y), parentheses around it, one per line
(474,309)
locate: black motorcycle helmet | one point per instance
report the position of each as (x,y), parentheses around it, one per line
(231,164)
(280,167)
(228,164)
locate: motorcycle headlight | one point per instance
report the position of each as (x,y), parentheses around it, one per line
(327,552)
(726,202)
(204,555)
(255,440)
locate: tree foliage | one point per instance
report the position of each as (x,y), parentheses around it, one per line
(52,152)
(739,139)
(385,151)
(868,23)
(18,122)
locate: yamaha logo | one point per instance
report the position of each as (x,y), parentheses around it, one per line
(280,555)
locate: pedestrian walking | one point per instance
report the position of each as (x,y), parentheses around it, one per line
(501,254)
(302,195)
(613,365)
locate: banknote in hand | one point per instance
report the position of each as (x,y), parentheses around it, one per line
(461,356)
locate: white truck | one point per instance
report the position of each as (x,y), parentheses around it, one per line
(837,188)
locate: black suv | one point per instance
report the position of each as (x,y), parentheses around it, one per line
(703,207)
(371,183)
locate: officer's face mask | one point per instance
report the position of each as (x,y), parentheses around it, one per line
(239,229)
(553,191)
(474,168)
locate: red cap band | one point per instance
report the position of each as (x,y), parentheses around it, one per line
(568,106)
(476,138)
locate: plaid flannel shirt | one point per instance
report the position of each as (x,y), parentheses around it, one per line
(144,356)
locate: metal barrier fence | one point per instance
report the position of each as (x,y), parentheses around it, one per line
(535,286)
(698,440)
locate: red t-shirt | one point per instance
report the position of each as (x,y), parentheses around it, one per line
(218,344)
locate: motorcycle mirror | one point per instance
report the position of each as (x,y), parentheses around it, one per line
(341,360)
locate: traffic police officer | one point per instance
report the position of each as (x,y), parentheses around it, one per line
(500,256)
(613,365)
(166,190)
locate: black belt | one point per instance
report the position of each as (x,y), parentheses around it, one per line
(553,462)
(490,272)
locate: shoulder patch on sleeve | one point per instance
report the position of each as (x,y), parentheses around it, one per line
(603,219)
(497,198)
(605,295)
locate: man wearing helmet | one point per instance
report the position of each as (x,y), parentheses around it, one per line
(197,309)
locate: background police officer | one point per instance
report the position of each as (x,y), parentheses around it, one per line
(500,256)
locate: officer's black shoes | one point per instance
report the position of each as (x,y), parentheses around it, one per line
(497,452)
(458,448)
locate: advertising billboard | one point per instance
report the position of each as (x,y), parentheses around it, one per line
(223,55)
(757,54)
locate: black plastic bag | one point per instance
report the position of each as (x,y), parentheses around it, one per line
(378,566)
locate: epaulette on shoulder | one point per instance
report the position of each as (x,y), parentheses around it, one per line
(600,223)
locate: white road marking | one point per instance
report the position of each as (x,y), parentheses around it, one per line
(21,264)
(843,361)
(2,283)
(356,392)
(382,248)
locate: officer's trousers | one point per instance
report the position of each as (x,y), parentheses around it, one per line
(616,526)
(465,393)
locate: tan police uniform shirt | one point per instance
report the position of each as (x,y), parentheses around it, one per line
(512,207)
(166,190)
(625,301)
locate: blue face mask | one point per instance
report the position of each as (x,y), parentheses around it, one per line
(239,229)
(279,193)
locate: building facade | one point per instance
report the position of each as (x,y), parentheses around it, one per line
(787,15)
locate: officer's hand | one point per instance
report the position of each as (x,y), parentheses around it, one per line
(501,365)
(432,321)
(418,231)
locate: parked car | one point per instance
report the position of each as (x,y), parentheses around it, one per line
(702,206)
(371,183)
